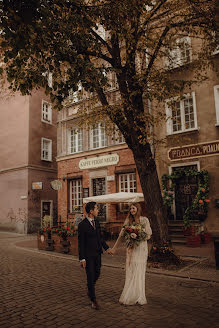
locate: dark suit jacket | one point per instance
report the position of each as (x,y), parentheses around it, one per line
(90,240)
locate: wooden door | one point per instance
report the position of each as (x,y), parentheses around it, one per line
(99,188)
(185,191)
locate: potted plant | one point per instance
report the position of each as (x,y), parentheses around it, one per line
(205,236)
(193,241)
(65,235)
(189,229)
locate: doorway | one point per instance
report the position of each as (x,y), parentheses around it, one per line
(186,188)
(99,188)
(46,209)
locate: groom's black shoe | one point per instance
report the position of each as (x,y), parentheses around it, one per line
(95,305)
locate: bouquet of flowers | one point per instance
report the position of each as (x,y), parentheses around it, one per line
(134,234)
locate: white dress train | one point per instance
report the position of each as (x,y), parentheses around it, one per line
(136,261)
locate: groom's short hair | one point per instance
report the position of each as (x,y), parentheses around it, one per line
(90,206)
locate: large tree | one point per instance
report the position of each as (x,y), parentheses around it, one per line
(65,38)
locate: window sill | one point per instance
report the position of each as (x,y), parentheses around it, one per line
(47,122)
(186,131)
(177,66)
(46,160)
(98,148)
(76,152)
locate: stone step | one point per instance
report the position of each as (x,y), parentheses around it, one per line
(175,229)
(181,223)
(178,241)
(177,236)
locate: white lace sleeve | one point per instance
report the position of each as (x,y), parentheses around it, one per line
(148,228)
(120,235)
(122,230)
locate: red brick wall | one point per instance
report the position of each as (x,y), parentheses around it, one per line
(70,168)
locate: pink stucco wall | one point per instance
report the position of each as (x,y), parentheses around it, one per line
(40,129)
(14,200)
(14,113)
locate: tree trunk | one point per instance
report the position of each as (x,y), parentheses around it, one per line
(155,209)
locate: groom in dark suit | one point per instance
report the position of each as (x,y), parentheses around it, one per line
(90,245)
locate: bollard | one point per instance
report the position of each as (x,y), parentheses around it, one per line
(216,250)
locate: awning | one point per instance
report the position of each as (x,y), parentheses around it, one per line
(118,197)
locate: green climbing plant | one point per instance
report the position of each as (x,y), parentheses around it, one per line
(199,206)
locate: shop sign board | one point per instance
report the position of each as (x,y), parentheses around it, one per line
(37,185)
(98,161)
(194,151)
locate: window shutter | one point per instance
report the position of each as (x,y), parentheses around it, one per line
(194,109)
(169,123)
(216,100)
(91,137)
(69,140)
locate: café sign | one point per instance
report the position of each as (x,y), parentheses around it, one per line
(37,185)
(194,151)
(98,161)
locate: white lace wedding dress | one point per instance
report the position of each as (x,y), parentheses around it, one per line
(136,261)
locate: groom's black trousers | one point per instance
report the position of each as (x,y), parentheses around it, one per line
(93,265)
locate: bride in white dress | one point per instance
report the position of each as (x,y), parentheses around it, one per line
(136,260)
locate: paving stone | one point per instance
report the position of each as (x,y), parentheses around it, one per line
(40,290)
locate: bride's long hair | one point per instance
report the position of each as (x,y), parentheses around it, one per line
(131,218)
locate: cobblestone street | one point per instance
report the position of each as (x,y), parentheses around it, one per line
(39,289)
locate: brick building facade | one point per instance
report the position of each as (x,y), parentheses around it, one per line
(192,125)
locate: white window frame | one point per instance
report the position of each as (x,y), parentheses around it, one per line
(43,149)
(75,140)
(45,114)
(78,200)
(169,119)
(216,101)
(124,207)
(118,137)
(101,31)
(102,137)
(215,38)
(76,96)
(129,180)
(112,81)
(49,78)
(175,58)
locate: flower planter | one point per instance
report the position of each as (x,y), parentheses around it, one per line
(193,241)
(206,238)
(65,243)
(50,245)
(190,231)
(65,246)
(57,244)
